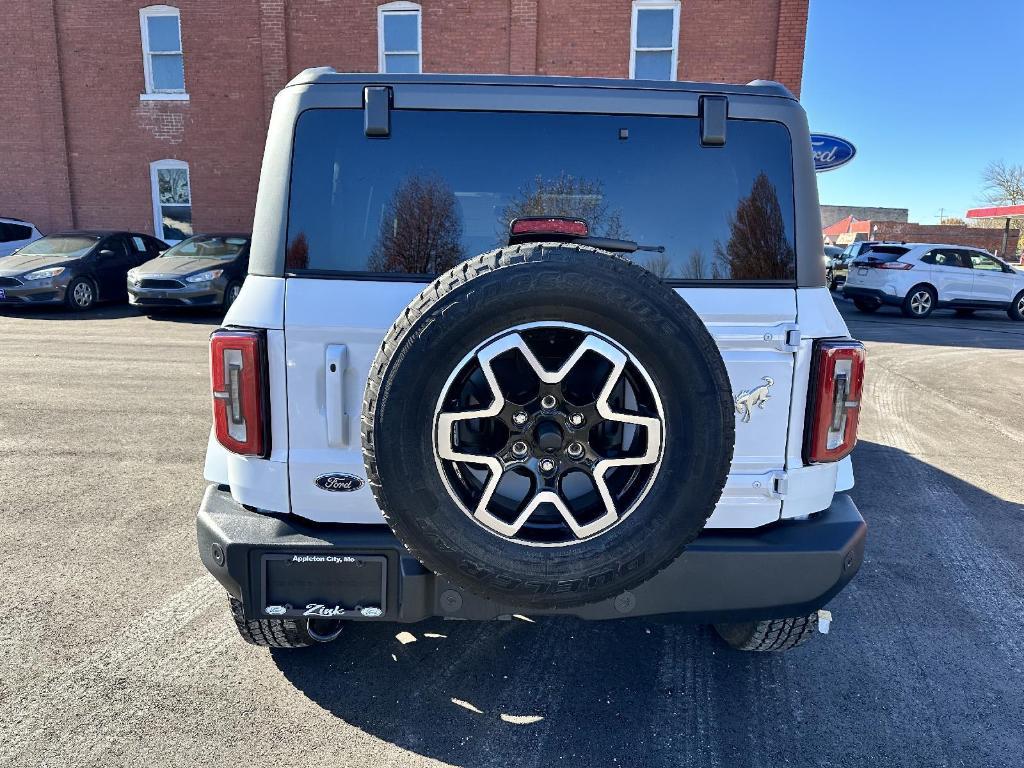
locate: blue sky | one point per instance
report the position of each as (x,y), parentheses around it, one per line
(928,92)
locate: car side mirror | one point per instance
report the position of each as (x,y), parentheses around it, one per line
(161,253)
(106,252)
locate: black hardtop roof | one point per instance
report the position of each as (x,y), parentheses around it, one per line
(328,75)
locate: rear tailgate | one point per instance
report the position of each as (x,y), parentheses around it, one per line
(334,329)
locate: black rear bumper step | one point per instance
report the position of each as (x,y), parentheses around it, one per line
(786,569)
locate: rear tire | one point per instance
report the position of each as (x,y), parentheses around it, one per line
(281,633)
(768,635)
(1016,310)
(867,306)
(919,302)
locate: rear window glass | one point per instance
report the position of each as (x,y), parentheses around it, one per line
(884,253)
(444,186)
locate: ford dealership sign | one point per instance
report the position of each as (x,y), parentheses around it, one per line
(830,152)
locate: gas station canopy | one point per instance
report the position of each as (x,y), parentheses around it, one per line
(997,212)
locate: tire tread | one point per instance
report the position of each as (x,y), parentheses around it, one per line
(270,633)
(770,634)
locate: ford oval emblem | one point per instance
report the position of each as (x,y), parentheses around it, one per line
(339,482)
(830,152)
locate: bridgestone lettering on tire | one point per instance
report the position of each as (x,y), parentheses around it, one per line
(547,425)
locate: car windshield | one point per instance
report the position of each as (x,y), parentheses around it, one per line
(424,200)
(207,247)
(60,245)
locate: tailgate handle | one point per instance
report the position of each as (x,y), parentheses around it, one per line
(337,419)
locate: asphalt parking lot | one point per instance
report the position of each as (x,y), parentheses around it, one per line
(117,647)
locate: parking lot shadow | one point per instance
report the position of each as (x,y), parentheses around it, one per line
(983,330)
(918,668)
(111,312)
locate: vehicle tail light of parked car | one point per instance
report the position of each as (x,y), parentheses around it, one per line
(834,400)
(884,264)
(238,375)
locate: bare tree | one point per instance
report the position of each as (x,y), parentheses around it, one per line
(564,195)
(297,254)
(758,248)
(695,267)
(1003,183)
(421,230)
(661,265)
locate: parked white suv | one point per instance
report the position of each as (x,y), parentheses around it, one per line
(533,346)
(15,233)
(922,277)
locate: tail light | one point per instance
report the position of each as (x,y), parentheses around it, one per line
(238,377)
(833,410)
(895,265)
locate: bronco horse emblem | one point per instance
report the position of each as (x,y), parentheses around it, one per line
(748,399)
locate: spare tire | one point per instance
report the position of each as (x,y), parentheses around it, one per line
(547,425)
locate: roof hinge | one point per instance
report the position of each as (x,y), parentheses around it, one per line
(377,110)
(714,112)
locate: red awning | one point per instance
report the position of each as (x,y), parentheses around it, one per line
(998,212)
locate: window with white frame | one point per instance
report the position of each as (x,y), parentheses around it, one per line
(162,57)
(172,200)
(655,40)
(398,38)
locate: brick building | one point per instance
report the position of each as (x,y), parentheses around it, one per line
(152,117)
(851,229)
(830,214)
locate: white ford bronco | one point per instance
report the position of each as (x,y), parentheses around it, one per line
(533,346)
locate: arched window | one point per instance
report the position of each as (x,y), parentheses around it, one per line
(162,58)
(172,200)
(654,49)
(399,39)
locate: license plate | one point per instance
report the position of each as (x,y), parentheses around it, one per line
(324,585)
(862,272)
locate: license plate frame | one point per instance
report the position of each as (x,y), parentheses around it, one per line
(331,585)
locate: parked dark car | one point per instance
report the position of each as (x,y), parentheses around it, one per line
(202,271)
(77,268)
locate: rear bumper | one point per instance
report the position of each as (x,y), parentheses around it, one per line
(786,569)
(876,294)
